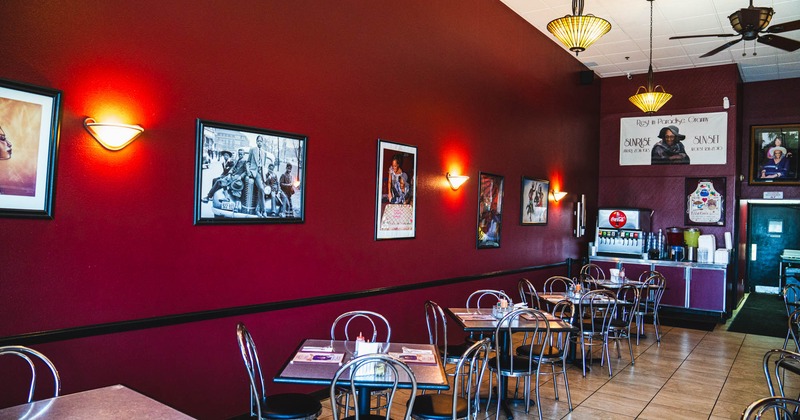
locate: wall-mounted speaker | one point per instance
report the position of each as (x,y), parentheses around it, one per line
(587,77)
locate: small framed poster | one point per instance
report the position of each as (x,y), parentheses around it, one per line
(705,201)
(534,201)
(395,197)
(774,150)
(490,210)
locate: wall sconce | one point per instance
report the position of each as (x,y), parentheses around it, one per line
(558,195)
(456,180)
(112,136)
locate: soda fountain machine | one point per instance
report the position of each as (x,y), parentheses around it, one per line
(621,232)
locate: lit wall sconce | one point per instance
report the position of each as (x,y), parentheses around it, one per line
(558,195)
(112,136)
(456,180)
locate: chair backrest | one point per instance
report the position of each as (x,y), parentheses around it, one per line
(593,272)
(437,326)
(488,297)
(565,310)
(596,309)
(647,273)
(355,369)
(791,297)
(794,325)
(362,319)
(527,293)
(627,293)
(774,362)
(253,367)
(30,355)
(782,408)
(539,328)
(468,380)
(651,292)
(557,284)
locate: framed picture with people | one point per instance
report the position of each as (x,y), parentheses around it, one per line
(30,122)
(534,201)
(490,210)
(396,191)
(774,153)
(248,175)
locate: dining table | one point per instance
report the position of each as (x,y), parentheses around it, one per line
(482,320)
(111,402)
(316,361)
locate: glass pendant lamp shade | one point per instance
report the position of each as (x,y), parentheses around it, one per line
(651,98)
(578,31)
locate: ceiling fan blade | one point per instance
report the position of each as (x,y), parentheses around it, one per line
(776,41)
(784,27)
(703,36)
(720,48)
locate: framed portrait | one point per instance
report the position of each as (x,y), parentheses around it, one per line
(774,153)
(705,201)
(30,122)
(248,175)
(396,190)
(533,200)
(490,210)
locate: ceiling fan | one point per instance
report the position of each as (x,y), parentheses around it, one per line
(751,24)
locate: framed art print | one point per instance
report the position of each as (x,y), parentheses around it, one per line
(534,201)
(705,201)
(774,151)
(490,210)
(248,175)
(395,197)
(30,118)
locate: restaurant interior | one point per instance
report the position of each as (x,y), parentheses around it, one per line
(123,283)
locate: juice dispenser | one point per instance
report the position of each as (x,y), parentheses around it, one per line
(621,231)
(675,243)
(690,238)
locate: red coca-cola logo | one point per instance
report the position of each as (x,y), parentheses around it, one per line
(617,219)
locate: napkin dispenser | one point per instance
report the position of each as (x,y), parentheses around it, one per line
(722,256)
(706,247)
(369,369)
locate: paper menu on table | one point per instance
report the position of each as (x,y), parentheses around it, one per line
(414,357)
(305,357)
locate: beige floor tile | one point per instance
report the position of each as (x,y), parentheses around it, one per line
(685,401)
(728,410)
(656,411)
(582,413)
(641,392)
(616,404)
(693,388)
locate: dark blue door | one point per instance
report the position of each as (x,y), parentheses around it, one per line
(771,228)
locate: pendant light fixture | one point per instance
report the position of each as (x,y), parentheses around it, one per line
(651,98)
(578,31)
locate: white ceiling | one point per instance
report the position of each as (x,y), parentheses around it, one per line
(625,48)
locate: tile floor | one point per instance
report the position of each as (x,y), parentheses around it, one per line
(692,375)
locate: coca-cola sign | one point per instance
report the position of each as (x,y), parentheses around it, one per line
(617,219)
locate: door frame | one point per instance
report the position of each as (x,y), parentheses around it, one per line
(748,224)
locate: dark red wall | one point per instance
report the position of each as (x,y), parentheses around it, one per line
(661,188)
(470,83)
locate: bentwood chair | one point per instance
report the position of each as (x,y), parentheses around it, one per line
(357,367)
(620,326)
(30,356)
(776,364)
(436,321)
(556,284)
(593,271)
(279,406)
(650,295)
(523,367)
(791,301)
(351,325)
(527,293)
(593,315)
(464,402)
(772,408)
(487,299)
(793,330)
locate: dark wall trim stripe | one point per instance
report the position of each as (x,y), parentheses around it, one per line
(189,317)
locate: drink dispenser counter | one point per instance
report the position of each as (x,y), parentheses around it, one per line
(621,232)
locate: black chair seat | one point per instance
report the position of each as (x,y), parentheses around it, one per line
(791,365)
(366,417)
(520,364)
(290,406)
(619,324)
(456,351)
(549,351)
(438,407)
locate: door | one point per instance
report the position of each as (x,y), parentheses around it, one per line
(771,228)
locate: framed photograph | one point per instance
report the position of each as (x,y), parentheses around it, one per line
(705,201)
(490,210)
(533,200)
(395,201)
(774,154)
(248,175)
(30,122)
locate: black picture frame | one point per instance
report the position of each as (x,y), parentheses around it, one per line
(232,196)
(534,203)
(30,126)
(396,194)
(490,210)
(763,141)
(705,200)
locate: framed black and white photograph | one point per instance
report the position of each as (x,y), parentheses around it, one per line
(490,210)
(249,175)
(30,120)
(534,201)
(395,201)
(774,150)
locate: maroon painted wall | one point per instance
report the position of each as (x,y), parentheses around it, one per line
(661,188)
(470,83)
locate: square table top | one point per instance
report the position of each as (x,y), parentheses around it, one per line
(429,374)
(482,320)
(554,298)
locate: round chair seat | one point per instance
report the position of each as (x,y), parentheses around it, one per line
(438,407)
(454,352)
(550,352)
(520,364)
(366,417)
(290,406)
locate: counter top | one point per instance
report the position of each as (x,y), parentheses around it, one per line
(658,262)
